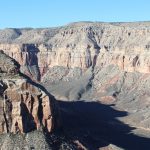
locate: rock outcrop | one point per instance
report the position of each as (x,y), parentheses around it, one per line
(24,105)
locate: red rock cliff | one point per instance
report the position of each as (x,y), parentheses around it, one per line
(24,105)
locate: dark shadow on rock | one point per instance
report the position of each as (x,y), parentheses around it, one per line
(95,125)
(27,118)
(54,106)
(31,62)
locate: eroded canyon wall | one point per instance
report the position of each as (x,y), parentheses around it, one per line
(24,105)
(108,62)
(80,45)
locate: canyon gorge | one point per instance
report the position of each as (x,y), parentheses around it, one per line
(107,64)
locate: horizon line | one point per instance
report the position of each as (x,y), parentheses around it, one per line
(76,22)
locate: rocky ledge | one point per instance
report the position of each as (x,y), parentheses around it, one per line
(24,105)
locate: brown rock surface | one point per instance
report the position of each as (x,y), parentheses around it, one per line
(24,106)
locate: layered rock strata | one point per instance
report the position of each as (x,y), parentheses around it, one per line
(24,105)
(108,62)
(79,45)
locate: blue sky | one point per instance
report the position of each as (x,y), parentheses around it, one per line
(49,13)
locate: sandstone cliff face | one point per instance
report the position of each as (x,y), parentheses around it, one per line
(94,61)
(23,105)
(80,45)
(26,55)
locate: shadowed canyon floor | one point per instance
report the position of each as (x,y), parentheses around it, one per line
(95,126)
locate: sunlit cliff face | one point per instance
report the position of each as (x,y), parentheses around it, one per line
(24,106)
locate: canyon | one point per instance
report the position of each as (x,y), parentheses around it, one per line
(80,45)
(24,105)
(89,62)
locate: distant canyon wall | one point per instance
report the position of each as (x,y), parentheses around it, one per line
(83,46)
